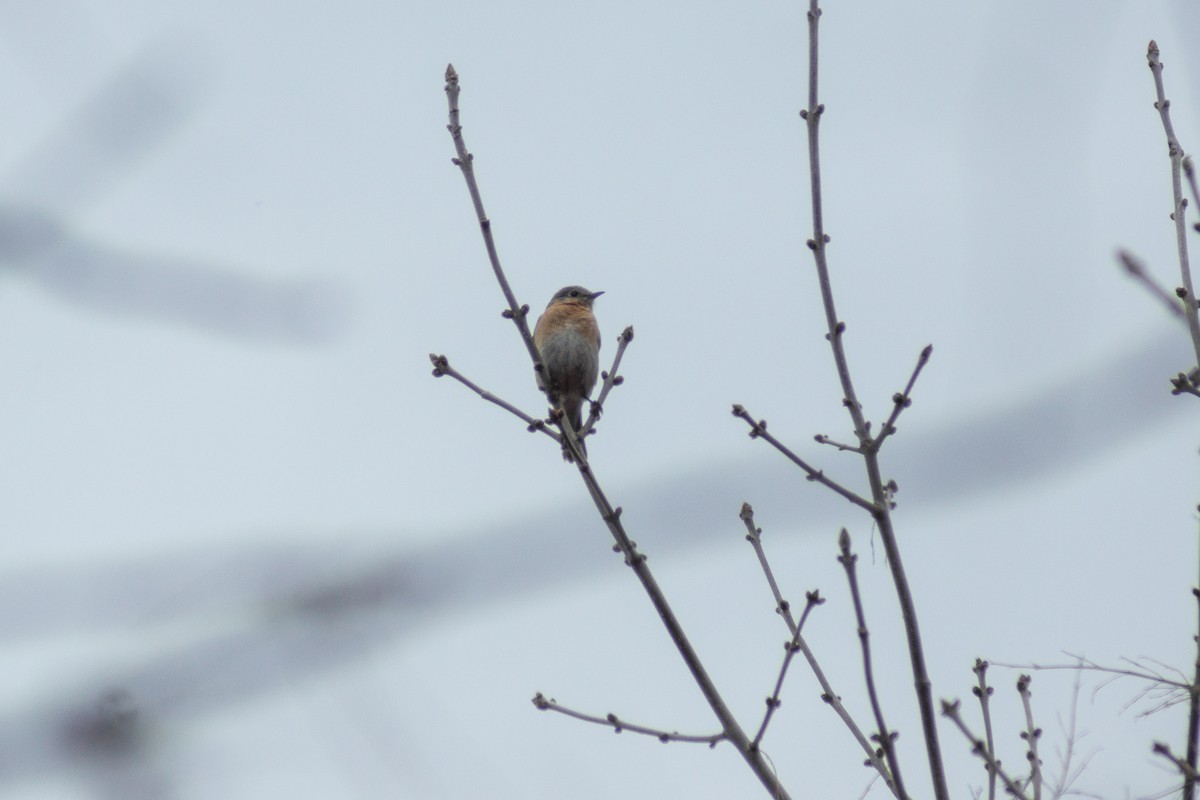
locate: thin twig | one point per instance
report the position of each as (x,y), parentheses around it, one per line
(730,727)
(637,562)
(1193,729)
(783,608)
(1165,691)
(790,650)
(880,506)
(754,537)
(887,740)
(984,693)
(465,161)
(1083,663)
(611,378)
(1067,776)
(902,400)
(441,367)
(1185,769)
(618,725)
(951,711)
(1137,270)
(1031,735)
(841,446)
(1175,151)
(867,790)
(1182,383)
(758,430)
(1161,794)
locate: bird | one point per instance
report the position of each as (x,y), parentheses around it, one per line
(568,343)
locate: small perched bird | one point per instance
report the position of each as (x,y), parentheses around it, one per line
(568,342)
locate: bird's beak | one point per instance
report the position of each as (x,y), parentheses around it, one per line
(594,295)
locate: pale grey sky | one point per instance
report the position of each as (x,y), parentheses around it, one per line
(237,506)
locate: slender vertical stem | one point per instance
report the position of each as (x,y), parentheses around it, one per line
(882,503)
(1031,735)
(1193,730)
(922,684)
(984,693)
(812,116)
(465,161)
(1175,151)
(887,739)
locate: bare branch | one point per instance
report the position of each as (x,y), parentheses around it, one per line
(867,790)
(754,537)
(1185,769)
(1176,154)
(951,711)
(1193,728)
(637,562)
(758,430)
(835,327)
(841,446)
(984,693)
(1031,735)
(790,649)
(1183,383)
(1067,775)
(465,161)
(880,505)
(441,367)
(783,608)
(611,379)
(731,730)
(902,400)
(1142,673)
(618,725)
(886,739)
(1137,270)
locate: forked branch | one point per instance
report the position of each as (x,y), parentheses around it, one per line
(831,697)
(950,710)
(730,728)
(881,491)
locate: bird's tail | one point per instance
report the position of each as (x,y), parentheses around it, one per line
(575,417)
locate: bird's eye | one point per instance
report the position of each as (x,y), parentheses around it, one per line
(574,293)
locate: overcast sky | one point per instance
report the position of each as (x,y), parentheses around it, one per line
(252,549)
